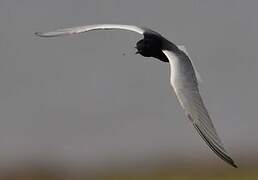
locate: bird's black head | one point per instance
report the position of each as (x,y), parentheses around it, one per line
(151,47)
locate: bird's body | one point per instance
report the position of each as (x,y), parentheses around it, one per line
(183,77)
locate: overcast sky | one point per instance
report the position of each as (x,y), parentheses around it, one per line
(88,98)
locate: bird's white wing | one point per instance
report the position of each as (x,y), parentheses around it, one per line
(185,85)
(82,29)
(198,76)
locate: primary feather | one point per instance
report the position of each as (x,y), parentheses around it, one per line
(82,29)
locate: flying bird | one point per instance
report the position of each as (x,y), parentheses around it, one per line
(183,77)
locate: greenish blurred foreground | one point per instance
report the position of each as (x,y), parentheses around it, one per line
(161,174)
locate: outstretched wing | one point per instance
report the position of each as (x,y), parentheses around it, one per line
(82,29)
(185,84)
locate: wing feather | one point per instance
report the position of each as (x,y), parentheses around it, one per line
(184,82)
(82,29)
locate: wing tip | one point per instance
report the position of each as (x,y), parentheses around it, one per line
(230,161)
(40,34)
(234,164)
(215,149)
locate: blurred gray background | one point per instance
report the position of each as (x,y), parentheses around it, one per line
(88,100)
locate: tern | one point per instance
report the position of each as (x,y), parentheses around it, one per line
(183,77)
